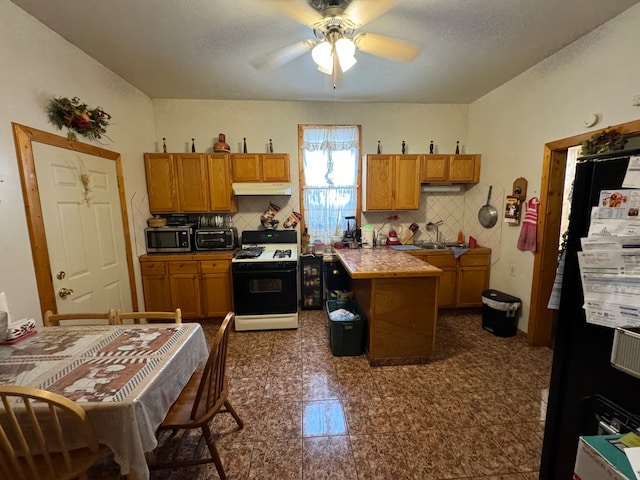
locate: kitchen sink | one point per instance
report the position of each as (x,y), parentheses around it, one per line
(433,246)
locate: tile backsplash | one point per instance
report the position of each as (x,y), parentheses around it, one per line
(458,211)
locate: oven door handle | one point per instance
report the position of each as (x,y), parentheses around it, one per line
(262,272)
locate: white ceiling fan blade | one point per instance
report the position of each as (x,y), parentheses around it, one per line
(284,55)
(298,10)
(386,47)
(363,11)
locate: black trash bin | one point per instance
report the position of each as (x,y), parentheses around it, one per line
(500,312)
(346,335)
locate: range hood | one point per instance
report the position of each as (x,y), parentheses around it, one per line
(441,188)
(280,188)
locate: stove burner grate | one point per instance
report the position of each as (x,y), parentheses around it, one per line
(251,252)
(282,253)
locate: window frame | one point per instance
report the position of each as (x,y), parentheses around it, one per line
(301,178)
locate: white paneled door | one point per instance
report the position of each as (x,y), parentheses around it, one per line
(84,230)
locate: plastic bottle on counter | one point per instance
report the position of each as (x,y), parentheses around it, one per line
(460,237)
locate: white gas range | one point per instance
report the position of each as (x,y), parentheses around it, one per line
(265,276)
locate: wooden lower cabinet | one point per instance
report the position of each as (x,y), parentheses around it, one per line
(200,285)
(155,285)
(216,288)
(473,279)
(184,285)
(464,279)
(447,287)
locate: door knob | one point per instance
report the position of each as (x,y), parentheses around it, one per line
(65,292)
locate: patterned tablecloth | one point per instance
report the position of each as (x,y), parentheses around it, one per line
(125,377)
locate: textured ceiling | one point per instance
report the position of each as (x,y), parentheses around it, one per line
(204,49)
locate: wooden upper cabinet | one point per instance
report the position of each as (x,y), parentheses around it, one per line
(391,182)
(464,168)
(260,167)
(450,169)
(220,193)
(245,167)
(161,183)
(193,182)
(435,168)
(189,182)
(378,184)
(406,189)
(275,167)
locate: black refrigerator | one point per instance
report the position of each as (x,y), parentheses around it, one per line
(587,396)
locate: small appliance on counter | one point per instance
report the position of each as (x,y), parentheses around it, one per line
(169,239)
(368,234)
(392,238)
(352,235)
(212,238)
(392,235)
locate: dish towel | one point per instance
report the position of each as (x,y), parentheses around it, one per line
(457,251)
(527,239)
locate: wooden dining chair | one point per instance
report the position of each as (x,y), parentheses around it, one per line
(201,399)
(167,317)
(44,435)
(88,318)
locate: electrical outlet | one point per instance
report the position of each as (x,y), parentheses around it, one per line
(636,101)
(512,269)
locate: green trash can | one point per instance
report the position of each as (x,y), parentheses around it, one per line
(346,334)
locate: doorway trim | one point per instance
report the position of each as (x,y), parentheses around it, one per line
(540,328)
(23,137)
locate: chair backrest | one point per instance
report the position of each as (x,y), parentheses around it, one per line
(88,318)
(212,383)
(33,424)
(169,317)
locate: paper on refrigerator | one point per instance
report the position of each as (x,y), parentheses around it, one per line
(632,177)
(620,204)
(611,286)
(602,227)
(611,314)
(610,242)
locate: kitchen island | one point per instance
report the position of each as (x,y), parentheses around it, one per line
(398,295)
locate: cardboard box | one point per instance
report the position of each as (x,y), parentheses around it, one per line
(600,459)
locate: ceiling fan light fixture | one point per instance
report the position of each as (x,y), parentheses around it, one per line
(322,54)
(345,50)
(327,70)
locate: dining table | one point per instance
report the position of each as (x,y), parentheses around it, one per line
(126,377)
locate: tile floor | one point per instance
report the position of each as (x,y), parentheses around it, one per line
(476,411)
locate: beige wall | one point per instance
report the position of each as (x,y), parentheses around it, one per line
(37,65)
(509,127)
(596,74)
(203,120)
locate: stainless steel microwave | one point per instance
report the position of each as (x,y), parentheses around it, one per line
(216,238)
(169,239)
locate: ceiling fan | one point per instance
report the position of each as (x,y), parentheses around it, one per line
(335,25)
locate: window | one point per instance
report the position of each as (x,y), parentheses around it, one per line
(329,177)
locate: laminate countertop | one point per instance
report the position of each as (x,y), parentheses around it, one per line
(384,262)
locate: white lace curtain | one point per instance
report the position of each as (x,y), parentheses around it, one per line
(330,162)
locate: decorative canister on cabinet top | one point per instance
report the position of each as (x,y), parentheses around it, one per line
(221,145)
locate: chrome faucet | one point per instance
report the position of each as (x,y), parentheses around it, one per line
(434,227)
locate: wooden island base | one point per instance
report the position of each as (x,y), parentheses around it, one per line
(401,314)
(398,295)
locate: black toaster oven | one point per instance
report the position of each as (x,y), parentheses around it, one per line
(216,238)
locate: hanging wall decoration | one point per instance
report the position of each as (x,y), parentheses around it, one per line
(78,118)
(605,141)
